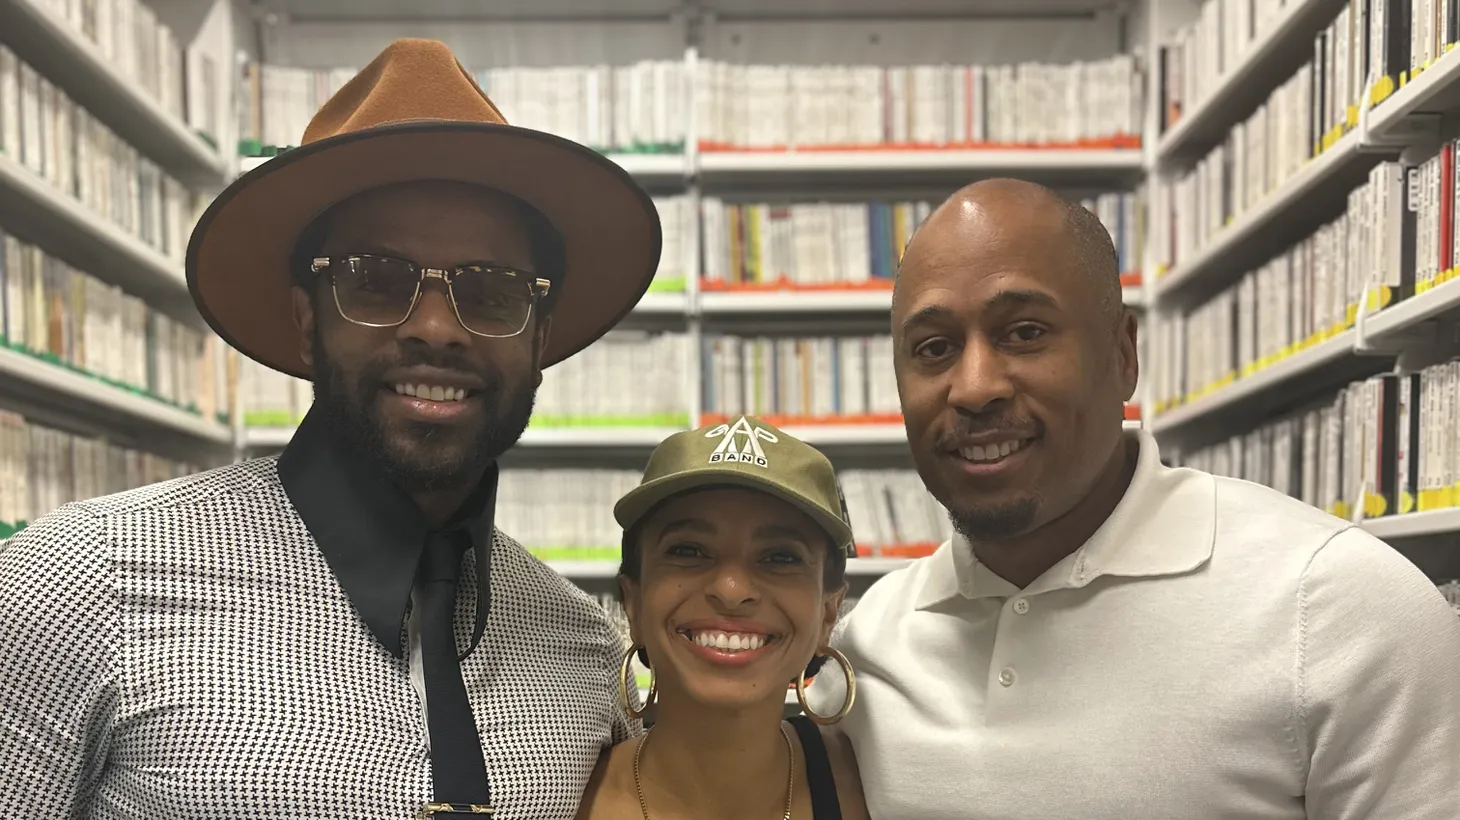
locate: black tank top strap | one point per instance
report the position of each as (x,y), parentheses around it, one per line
(819,778)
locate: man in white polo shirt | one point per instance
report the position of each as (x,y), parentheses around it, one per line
(1107,638)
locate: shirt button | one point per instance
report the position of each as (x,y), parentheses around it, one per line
(1021,606)
(1006,677)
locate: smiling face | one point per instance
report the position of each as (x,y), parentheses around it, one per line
(1012,370)
(432,402)
(730,604)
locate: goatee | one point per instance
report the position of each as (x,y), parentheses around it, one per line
(992,524)
(419,457)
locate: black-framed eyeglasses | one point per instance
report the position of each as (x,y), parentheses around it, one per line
(381,291)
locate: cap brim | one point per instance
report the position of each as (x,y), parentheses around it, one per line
(238,257)
(639,501)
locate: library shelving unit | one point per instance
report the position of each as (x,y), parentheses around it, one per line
(744,172)
(1204,221)
(108,144)
(1328,268)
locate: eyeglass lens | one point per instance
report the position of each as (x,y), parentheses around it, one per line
(381,291)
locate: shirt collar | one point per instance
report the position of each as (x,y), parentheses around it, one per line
(1165,524)
(371,533)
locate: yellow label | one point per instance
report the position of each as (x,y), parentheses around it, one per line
(1353,116)
(1375,506)
(1351,314)
(1227,379)
(1422,286)
(1403,78)
(1249,369)
(1406,503)
(1381,90)
(1288,350)
(1336,329)
(1426,500)
(1380,297)
(1340,509)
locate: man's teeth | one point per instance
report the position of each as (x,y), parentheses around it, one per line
(990,453)
(728,641)
(431,392)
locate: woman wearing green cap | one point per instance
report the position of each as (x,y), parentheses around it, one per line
(734,556)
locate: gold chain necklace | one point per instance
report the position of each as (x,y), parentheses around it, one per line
(790,775)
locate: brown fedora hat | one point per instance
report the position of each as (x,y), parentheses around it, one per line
(415,114)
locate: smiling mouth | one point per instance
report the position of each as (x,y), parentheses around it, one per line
(994,452)
(727,642)
(433,392)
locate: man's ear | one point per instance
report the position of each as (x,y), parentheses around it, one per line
(304,320)
(1130,365)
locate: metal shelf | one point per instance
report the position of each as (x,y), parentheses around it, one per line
(1415,525)
(1289,382)
(796,301)
(1296,207)
(52,386)
(1267,63)
(1436,90)
(38,212)
(952,159)
(1394,321)
(67,59)
(659,168)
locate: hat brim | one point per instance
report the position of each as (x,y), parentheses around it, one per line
(238,257)
(637,503)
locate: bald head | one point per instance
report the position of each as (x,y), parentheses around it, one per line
(1014,211)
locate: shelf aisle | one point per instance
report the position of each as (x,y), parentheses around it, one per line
(65,57)
(43,383)
(55,220)
(1245,84)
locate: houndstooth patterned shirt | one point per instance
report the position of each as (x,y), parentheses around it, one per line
(184,652)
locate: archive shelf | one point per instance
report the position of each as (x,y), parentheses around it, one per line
(66,58)
(58,388)
(1390,324)
(1298,205)
(647,169)
(1286,383)
(1415,525)
(1403,114)
(40,213)
(1266,62)
(891,161)
(730,302)
(822,302)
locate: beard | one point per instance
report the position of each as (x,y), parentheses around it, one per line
(419,457)
(993,524)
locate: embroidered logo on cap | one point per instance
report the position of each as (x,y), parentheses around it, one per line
(741,442)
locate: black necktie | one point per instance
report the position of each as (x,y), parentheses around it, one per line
(458,770)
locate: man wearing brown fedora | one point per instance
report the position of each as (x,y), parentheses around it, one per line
(340,631)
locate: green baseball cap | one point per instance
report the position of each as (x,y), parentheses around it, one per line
(749,453)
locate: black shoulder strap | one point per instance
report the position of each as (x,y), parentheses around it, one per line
(819,778)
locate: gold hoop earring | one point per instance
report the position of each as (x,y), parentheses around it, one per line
(846,665)
(623,686)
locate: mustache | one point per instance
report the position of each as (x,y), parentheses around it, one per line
(966,426)
(374,371)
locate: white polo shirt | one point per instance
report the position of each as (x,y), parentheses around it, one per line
(1216,650)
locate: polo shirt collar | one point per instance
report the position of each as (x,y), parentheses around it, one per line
(372,534)
(1165,524)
